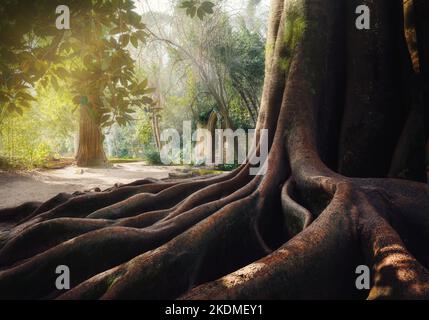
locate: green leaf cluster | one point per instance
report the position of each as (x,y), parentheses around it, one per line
(92,59)
(197,8)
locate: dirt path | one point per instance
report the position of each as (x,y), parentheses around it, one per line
(42,185)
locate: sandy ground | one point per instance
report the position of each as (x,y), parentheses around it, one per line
(42,185)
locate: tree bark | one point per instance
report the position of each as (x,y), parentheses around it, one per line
(90,151)
(335,117)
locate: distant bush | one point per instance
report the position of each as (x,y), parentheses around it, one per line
(227,167)
(151,156)
(24,156)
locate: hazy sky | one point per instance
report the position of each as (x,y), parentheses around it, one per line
(166,5)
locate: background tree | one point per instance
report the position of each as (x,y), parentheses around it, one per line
(204,58)
(208,48)
(105,83)
(242,55)
(91,57)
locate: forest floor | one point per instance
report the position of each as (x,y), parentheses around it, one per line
(40,185)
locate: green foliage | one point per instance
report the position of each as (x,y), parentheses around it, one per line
(124,160)
(47,73)
(20,65)
(243,55)
(197,7)
(204,115)
(294,29)
(237,53)
(227,167)
(151,156)
(42,132)
(107,68)
(122,142)
(144,131)
(91,58)
(129,141)
(239,115)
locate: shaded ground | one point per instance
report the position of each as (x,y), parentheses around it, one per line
(41,185)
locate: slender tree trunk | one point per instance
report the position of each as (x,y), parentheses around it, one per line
(156,130)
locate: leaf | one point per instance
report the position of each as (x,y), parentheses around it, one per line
(115,30)
(139,88)
(134,18)
(191,11)
(24,104)
(44,82)
(61,72)
(124,40)
(104,118)
(140,25)
(11,107)
(200,13)
(25,96)
(54,83)
(186,4)
(146,100)
(121,121)
(207,6)
(105,21)
(141,35)
(128,118)
(134,41)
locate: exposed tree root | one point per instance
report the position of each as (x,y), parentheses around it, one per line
(54,231)
(354,219)
(186,260)
(297,218)
(74,253)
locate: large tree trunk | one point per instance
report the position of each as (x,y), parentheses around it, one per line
(90,152)
(335,117)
